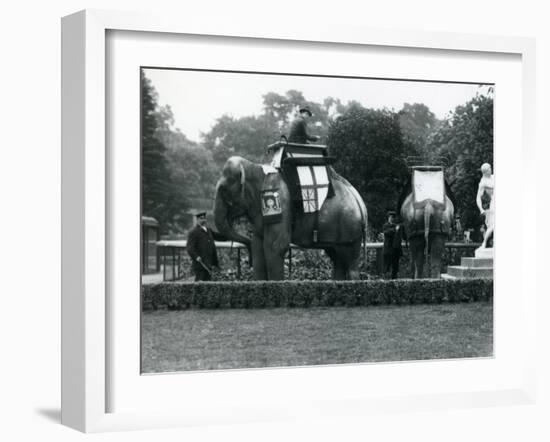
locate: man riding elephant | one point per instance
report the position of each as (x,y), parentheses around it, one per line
(298,128)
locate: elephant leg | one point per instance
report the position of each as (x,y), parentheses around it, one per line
(275,264)
(420,259)
(412,264)
(339,270)
(437,248)
(259,271)
(417,255)
(345,261)
(353,255)
(332,255)
(275,246)
(353,270)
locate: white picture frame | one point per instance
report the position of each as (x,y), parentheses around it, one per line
(86,317)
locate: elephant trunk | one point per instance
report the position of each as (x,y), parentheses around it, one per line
(428,212)
(221,221)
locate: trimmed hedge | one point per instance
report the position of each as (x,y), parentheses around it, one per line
(269,294)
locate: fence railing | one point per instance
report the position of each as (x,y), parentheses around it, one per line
(171,252)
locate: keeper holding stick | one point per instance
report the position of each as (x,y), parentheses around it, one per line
(202,249)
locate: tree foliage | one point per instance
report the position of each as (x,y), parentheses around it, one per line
(280,108)
(155,181)
(249,136)
(176,172)
(370,153)
(466,140)
(417,122)
(191,167)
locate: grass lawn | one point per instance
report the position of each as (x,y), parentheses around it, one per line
(225,339)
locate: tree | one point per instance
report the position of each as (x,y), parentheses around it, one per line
(417,122)
(466,140)
(192,171)
(247,137)
(279,108)
(175,171)
(155,179)
(370,153)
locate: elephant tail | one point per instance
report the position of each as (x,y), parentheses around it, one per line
(364,248)
(364,217)
(428,212)
(365,226)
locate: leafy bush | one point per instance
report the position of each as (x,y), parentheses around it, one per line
(268,294)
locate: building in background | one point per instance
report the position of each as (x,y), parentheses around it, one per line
(150,234)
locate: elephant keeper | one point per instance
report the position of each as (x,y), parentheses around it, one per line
(393,235)
(202,249)
(298,128)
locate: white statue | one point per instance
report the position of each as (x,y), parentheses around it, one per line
(487,186)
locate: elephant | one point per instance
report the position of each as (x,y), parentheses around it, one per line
(341,222)
(427,228)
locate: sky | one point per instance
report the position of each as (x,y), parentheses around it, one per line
(198,98)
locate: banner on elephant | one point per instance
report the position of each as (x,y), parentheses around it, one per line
(314,184)
(428,185)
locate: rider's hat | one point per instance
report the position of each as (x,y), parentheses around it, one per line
(306,109)
(391,212)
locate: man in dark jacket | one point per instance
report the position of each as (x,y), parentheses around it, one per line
(202,249)
(393,235)
(298,128)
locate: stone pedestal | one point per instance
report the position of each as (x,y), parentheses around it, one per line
(484,253)
(479,267)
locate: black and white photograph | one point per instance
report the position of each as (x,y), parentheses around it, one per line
(298,220)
